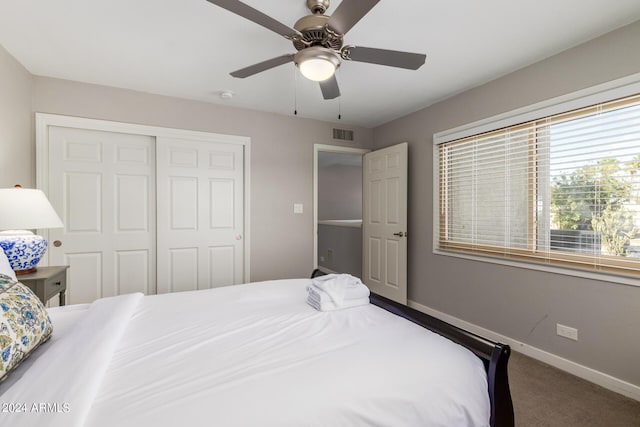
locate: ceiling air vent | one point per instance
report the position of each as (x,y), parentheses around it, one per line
(343,134)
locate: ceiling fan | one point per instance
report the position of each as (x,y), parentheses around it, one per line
(318,38)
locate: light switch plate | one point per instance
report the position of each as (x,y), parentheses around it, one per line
(298,208)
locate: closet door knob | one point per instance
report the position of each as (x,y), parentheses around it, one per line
(57,243)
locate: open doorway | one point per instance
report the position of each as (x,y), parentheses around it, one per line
(338,209)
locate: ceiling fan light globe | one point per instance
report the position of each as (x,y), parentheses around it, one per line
(317,63)
(317,69)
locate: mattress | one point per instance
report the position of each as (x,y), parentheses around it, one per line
(246,355)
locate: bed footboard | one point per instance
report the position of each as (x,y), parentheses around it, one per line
(495,356)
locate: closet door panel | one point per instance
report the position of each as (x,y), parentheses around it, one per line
(200,214)
(102,184)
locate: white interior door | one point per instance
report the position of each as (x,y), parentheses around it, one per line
(384,222)
(103,186)
(200,214)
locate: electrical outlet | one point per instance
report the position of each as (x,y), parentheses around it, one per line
(567,332)
(330,255)
(321,259)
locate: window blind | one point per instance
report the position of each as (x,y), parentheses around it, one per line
(562,189)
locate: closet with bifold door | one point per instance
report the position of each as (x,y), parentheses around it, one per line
(145,209)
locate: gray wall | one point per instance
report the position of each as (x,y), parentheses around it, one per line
(340,189)
(345,244)
(519,303)
(281,155)
(17,160)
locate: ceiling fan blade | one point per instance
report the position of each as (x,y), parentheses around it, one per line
(392,58)
(348,13)
(329,88)
(262,66)
(256,16)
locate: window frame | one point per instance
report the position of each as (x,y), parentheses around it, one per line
(563,263)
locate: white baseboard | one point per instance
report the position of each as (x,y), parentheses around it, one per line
(327,270)
(584,372)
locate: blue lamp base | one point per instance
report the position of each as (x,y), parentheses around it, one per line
(23,249)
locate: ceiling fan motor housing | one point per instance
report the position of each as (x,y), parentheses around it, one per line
(315,32)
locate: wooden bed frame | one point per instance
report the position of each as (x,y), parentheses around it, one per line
(494,356)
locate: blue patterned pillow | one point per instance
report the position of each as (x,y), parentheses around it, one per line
(24,324)
(5,267)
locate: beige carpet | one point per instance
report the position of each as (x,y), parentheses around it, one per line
(544,396)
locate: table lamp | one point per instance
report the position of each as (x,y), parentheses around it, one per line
(23,209)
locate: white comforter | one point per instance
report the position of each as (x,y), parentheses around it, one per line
(248,355)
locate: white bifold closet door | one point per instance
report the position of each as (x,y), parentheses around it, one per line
(102,184)
(144,213)
(200,214)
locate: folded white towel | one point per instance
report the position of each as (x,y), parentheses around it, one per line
(337,285)
(357,292)
(330,306)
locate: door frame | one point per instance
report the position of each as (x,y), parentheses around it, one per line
(44,120)
(317,148)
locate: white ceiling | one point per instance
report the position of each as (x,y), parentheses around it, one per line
(186,48)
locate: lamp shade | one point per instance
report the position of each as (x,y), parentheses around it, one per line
(22,209)
(25,209)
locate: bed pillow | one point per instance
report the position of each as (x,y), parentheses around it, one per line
(5,267)
(24,324)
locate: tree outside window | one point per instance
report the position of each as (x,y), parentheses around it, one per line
(600,198)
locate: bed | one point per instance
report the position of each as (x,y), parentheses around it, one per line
(255,355)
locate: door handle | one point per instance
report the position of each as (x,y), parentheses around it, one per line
(400,234)
(57,243)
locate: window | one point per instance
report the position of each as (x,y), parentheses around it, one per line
(562,190)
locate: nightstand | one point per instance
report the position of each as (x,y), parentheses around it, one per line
(47,282)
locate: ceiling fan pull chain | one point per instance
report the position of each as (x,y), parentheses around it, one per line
(295,91)
(339,106)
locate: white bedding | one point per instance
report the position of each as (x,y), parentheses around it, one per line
(248,355)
